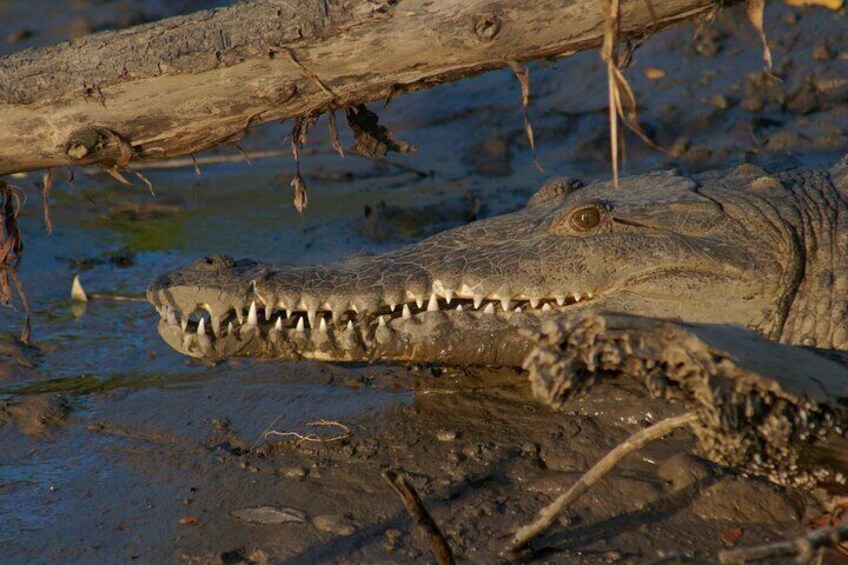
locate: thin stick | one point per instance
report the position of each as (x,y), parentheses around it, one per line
(546,517)
(427,527)
(803,547)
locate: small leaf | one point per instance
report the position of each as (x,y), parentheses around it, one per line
(269,515)
(654,73)
(334,133)
(188,521)
(301,199)
(731,536)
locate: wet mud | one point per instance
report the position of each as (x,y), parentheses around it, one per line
(114,448)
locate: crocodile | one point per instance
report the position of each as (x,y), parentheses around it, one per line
(741,246)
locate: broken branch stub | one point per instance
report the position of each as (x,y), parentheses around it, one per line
(373,140)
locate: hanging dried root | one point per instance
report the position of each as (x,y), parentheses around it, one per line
(755,10)
(548,515)
(523,76)
(622,100)
(11,250)
(298,135)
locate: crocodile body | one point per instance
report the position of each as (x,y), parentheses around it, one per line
(742,247)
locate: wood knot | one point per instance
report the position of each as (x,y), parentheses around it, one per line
(487,26)
(92,144)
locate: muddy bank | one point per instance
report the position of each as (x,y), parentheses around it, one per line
(114,448)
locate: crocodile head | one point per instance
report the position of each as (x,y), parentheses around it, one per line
(704,249)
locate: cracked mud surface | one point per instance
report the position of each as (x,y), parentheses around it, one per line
(113,448)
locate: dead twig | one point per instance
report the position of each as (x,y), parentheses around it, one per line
(803,548)
(548,515)
(428,530)
(314,438)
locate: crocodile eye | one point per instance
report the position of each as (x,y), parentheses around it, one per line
(584,219)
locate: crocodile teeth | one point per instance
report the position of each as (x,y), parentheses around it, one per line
(560,300)
(216,325)
(478,300)
(201,327)
(490,308)
(448,294)
(300,326)
(322,325)
(268,311)
(546,307)
(406,314)
(459,308)
(349,326)
(392,306)
(534,303)
(311,315)
(170,317)
(433,304)
(184,323)
(505,304)
(278,325)
(419,301)
(251,315)
(230,328)
(517,309)
(576,297)
(381,322)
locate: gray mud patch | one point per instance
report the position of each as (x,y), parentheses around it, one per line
(185,474)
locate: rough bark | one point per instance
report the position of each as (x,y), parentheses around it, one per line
(185,84)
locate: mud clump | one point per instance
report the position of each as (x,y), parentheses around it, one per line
(37,415)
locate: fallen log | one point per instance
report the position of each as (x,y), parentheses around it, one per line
(184,84)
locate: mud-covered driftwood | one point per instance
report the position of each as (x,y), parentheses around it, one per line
(767,408)
(188,83)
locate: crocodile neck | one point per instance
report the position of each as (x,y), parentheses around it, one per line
(818,315)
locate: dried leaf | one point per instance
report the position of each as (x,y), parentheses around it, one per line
(755,9)
(622,100)
(301,199)
(731,536)
(189,521)
(373,141)
(334,133)
(269,515)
